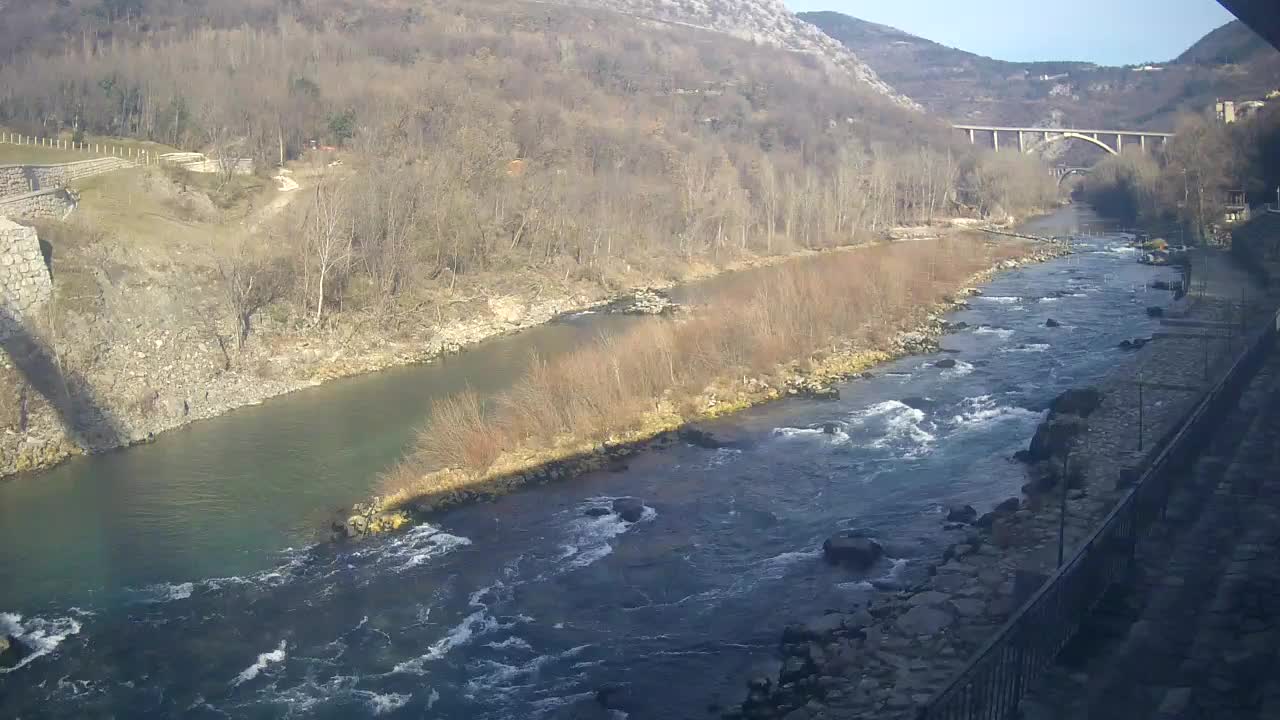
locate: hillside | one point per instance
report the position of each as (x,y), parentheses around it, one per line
(466,168)
(1230,62)
(1233,43)
(767,22)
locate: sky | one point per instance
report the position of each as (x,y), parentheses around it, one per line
(1107,32)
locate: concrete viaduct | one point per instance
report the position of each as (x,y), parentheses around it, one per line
(1030,138)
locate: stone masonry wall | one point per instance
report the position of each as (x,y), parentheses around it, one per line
(54,204)
(23,179)
(25,285)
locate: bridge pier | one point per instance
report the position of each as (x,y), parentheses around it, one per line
(1142,143)
(1022,144)
(1119,144)
(970,136)
(995,140)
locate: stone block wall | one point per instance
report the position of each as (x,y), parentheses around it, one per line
(25,285)
(23,179)
(53,204)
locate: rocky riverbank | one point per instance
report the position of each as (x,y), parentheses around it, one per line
(159,375)
(513,470)
(889,658)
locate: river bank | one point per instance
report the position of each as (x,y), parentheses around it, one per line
(889,657)
(179,563)
(411,494)
(164,377)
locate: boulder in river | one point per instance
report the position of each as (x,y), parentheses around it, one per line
(629,509)
(597,511)
(700,438)
(1053,437)
(1008,506)
(612,695)
(830,428)
(11,651)
(945,363)
(356,526)
(1155,311)
(915,402)
(961,514)
(847,548)
(1077,401)
(1051,323)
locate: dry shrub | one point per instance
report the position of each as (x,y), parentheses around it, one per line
(459,434)
(752,325)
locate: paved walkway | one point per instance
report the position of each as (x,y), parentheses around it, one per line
(1197,636)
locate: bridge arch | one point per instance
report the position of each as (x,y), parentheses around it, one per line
(1079,136)
(1062,177)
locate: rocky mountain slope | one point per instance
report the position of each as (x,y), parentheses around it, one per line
(767,22)
(1231,62)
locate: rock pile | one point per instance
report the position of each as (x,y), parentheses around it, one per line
(1064,423)
(887,659)
(645,301)
(371,518)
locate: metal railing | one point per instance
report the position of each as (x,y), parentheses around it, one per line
(990,686)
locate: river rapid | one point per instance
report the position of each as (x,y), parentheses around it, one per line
(181,579)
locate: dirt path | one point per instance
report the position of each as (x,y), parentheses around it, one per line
(288,188)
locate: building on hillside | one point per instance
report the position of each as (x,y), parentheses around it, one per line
(1249,108)
(1229,111)
(1225,110)
(1235,207)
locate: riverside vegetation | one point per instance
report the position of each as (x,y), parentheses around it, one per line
(784,331)
(1182,192)
(495,164)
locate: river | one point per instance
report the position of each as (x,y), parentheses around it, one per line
(183,578)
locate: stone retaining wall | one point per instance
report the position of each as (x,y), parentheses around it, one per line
(25,285)
(54,204)
(23,179)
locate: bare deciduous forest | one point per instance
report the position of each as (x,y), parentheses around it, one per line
(496,136)
(450,155)
(1184,190)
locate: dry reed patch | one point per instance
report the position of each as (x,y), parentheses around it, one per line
(773,318)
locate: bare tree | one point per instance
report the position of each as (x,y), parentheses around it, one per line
(328,233)
(249,283)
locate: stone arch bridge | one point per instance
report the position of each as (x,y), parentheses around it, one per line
(1030,139)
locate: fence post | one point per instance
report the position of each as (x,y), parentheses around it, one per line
(1206,356)
(1062,511)
(1140,416)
